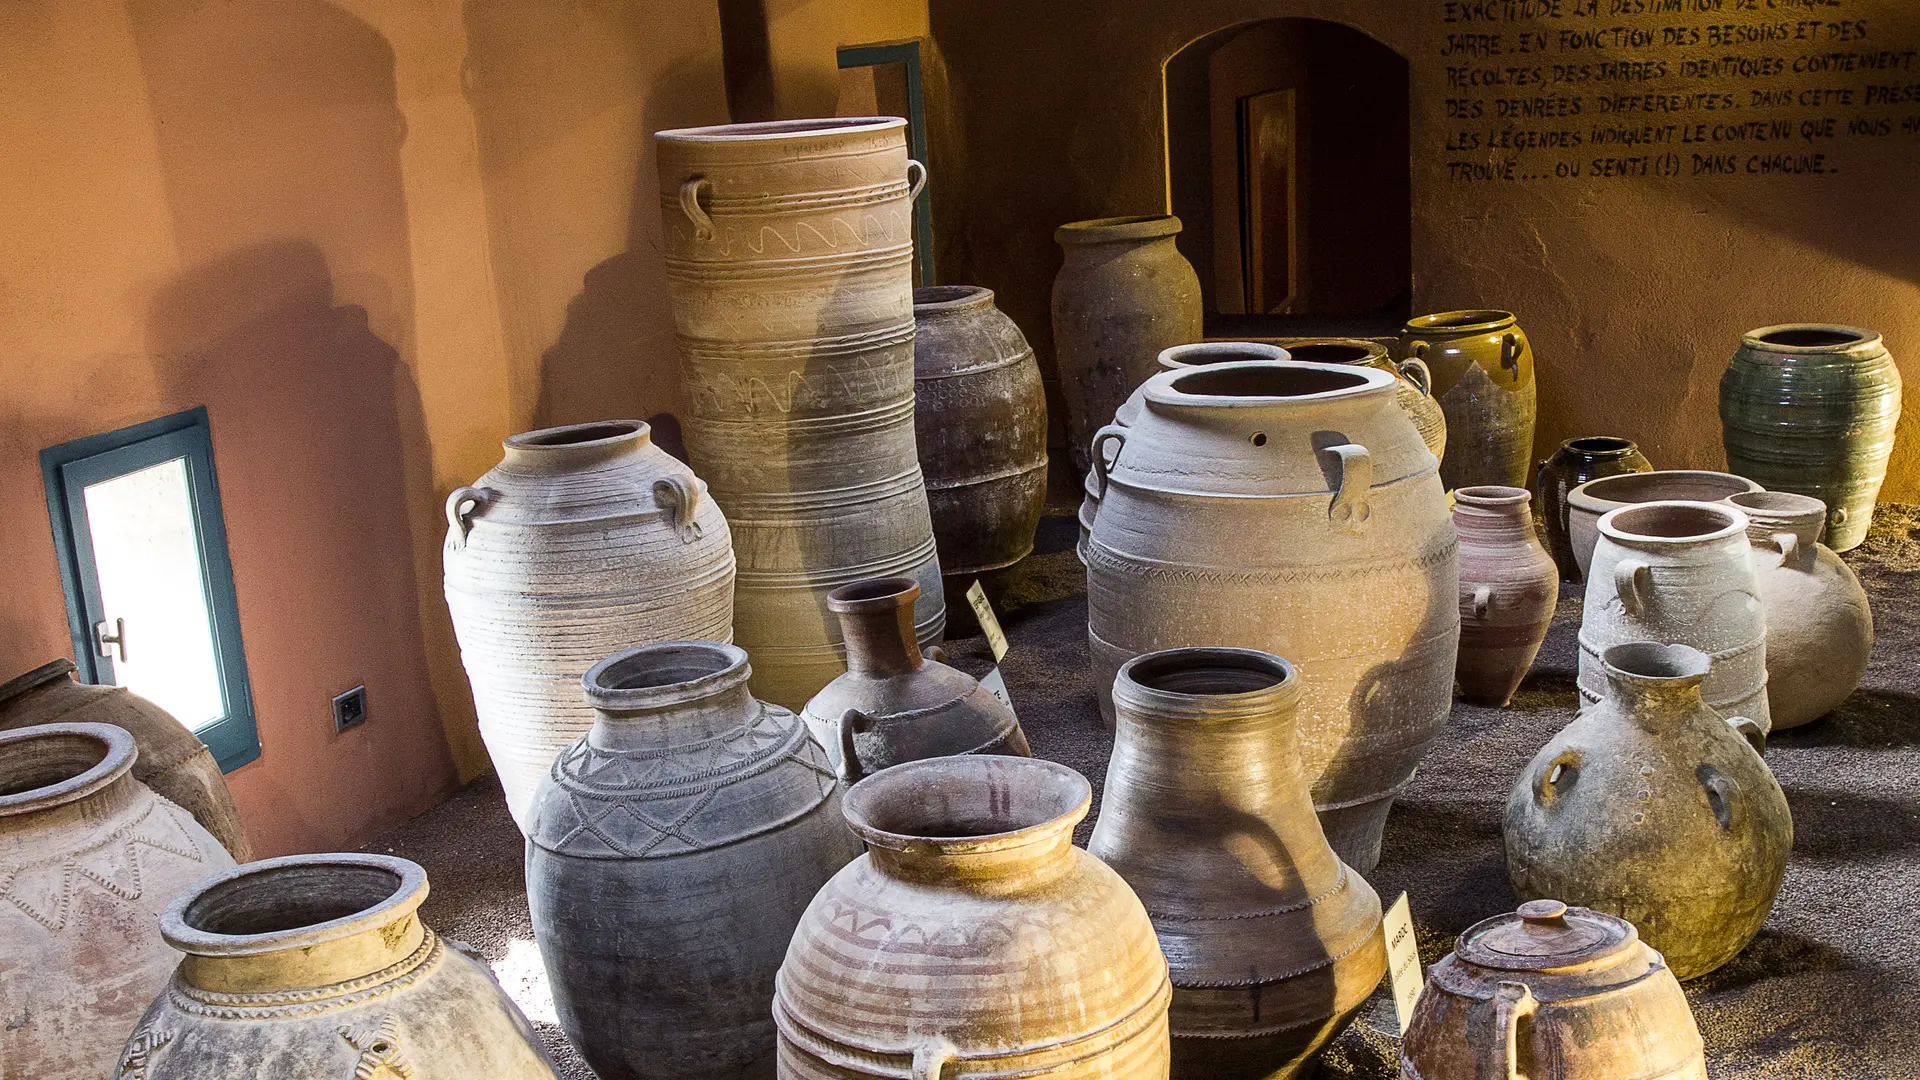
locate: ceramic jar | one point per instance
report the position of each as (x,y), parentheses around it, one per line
(1586,503)
(1482,375)
(980,421)
(1413,393)
(586,539)
(1552,991)
(89,856)
(894,704)
(1576,462)
(973,939)
(684,789)
(1273,944)
(1260,505)
(1679,572)
(1653,807)
(1508,589)
(1123,294)
(1812,409)
(171,761)
(317,967)
(797,360)
(1819,627)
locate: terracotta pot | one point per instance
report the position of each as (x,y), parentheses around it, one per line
(317,967)
(973,938)
(1653,807)
(893,704)
(171,760)
(685,787)
(1413,393)
(1272,944)
(1123,294)
(1576,462)
(1199,354)
(586,539)
(88,858)
(1819,627)
(1811,409)
(1586,503)
(1508,589)
(980,420)
(1259,505)
(797,359)
(1552,991)
(1679,572)
(1482,375)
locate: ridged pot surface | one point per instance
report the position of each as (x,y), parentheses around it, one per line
(1508,589)
(1653,807)
(317,967)
(1413,393)
(89,857)
(973,939)
(685,788)
(1812,409)
(1588,502)
(789,249)
(1680,573)
(1482,375)
(171,761)
(1819,625)
(1272,945)
(1576,462)
(1123,294)
(1595,1003)
(587,539)
(1260,505)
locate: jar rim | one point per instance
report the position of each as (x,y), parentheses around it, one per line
(1237,383)
(1109,230)
(1811,338)
(1464,321)
(663,674)
(110,752)
(762,130)
(1672,522)
(570,437)
(911,807)
(379,890)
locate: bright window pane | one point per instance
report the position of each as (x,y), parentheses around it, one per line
(147,556)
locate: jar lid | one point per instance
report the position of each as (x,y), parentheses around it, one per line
(1544,934)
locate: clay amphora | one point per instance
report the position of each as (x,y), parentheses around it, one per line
(1811,409)
(1413,393)
(585,540)
(171,760)
(1552,991)
(789,251)
(1679,572)
(89,857)
(1260,505)
(684,789)
(973,939)
(1482,371)
(894,704)
(1576,462)
(1271,940)
(980,419)
(1653,807)
(1819,627)
(1123,294)
(1508,589)
(1198,354)
(317,967)
(1586,503)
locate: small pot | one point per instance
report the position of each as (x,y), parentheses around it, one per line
(1508,589)
(1576,462)
(1587,502)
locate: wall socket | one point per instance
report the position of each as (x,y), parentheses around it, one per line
(350,709)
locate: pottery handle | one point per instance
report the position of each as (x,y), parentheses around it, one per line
(1417,350)
(690,206)
(1510,353)
(462,502)
(1721,790)
(1512,1003)
(1482,601)
(935,653)
(916,179)
(1789,545)
(1632,579)
(1751,731)
(679,496)
(852,722)
(1417,373)
(1546,783)
(1351,506)
(930,1058)
(1100,466)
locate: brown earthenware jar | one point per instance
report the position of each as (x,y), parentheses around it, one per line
(1508,589)
(1576,462)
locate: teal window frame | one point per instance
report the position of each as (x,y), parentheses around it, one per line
(67,470)
(908,53)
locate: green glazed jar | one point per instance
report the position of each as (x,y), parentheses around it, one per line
(1811,409)
(1482,370)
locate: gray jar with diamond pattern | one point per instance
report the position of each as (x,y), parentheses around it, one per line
(670,854)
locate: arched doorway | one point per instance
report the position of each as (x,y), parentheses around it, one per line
(1288,148)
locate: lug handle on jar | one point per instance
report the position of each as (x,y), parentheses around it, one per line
(1512,1003)
(1417,350)
(1482,601)
(1510,349)
(1789,545)
(461,504)
(1351,505)
(1751,731)
(1547,783)
(916,179)
(1633,581)
(679,496)
(935,653)
(930,1058)
(852,722)
(1721,790)
(1112,432)
(690,205)
(1417,372)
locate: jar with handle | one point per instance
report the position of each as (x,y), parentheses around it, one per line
(1587,502)
(1508,590)
(1482,375)
(1576,462)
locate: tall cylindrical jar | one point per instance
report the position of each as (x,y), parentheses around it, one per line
(89,857)
(1272,944)
(973,939)
(1576,462)
(1508,589)
(1413,393)
(1811,409)
(1266,505)
(1123,294)
(643,840)
(585,540)
(789,251)
(1482,368)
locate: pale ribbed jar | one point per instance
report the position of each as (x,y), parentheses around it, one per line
(789,249)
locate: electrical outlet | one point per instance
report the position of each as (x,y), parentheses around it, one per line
(350,709)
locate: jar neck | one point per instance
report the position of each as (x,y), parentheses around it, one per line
(1655,705)
(37,832)
(524,454)
(309,967)
(1511,523)
(880,640)
(1032,859)
(720,711)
